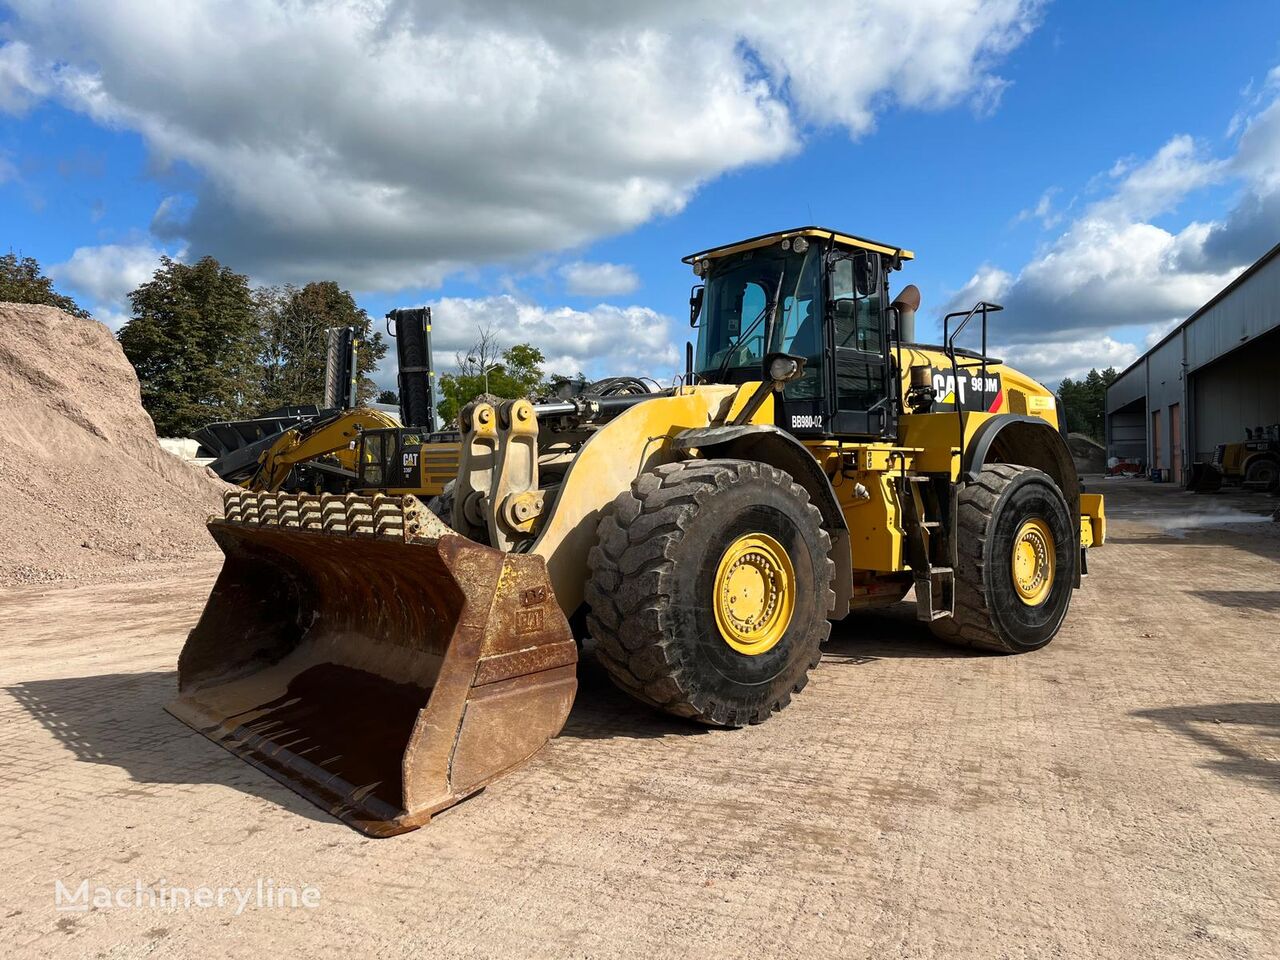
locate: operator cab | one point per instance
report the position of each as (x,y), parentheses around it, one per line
(810,292)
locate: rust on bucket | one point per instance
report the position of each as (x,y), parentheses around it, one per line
(381,672)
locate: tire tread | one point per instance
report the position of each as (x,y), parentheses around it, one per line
(632,570)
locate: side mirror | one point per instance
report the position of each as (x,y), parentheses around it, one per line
(866,273)
(695,303)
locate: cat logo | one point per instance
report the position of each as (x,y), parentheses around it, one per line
(983,393)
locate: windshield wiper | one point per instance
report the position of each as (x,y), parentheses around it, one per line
(769,309)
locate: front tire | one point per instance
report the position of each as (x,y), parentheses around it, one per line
(1017,553)
(709,590)
(1263,474)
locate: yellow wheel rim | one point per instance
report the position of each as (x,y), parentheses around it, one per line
(1032,560)
(755,594)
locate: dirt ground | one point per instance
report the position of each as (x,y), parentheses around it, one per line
(1115,795)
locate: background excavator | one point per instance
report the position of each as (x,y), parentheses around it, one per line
(341,445)
(387,660)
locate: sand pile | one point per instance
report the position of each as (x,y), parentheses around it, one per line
(1090,456)
(85,489)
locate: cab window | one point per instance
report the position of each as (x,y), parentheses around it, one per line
(800,327)
(857,323)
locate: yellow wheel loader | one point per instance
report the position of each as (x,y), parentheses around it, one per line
(1253,463)
(387,660)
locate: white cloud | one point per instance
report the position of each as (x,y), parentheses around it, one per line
(1149,189)
(602,341)
(1043,210)
(1051,362)
(387,142)
(21,84)
(1113,266)
(1157,332)
(598,279)
(102,277)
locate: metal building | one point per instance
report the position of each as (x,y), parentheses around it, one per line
(1214,375)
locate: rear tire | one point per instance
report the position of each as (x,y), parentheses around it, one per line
(991,612)
(657,575)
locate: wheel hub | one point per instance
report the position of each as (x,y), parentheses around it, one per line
(754,593)
(1033,561)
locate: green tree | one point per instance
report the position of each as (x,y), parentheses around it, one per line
(22,282)
(295,325)
(486,368)
(388,396)
(1085,401)
(194,342)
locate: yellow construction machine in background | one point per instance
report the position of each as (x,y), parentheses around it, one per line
(340,446)
(388,660)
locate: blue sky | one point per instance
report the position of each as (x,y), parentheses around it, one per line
(1100,168)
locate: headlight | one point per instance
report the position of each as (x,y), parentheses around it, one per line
(783,369)
(799,244)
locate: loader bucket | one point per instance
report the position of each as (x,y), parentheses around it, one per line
(1204,478)
(369,658)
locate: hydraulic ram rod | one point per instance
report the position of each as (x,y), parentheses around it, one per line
(590,409)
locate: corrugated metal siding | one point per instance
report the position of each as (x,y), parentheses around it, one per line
(1230,392)
(1128,434)
(1164,375)
(1242,390)
(1247,312)
(1128,388)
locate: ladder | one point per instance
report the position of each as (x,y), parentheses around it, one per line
(928,520)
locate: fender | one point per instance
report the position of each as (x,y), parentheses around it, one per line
(766,443)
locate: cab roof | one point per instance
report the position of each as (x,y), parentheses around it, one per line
(818,233)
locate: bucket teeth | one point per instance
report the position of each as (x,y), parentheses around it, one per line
(344,515)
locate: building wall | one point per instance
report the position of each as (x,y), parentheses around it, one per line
(1166,383)
(1129,386)
(1247,312)
(1222,368)
(1240,390)
(1127,433)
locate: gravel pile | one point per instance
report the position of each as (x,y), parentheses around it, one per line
(86,492)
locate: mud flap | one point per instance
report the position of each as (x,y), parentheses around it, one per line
(367,657)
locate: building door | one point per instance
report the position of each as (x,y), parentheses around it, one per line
(1175,441)
(1155,441)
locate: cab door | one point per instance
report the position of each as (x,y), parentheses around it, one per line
(857,325)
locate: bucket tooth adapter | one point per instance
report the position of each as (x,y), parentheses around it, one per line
(359,651)
(387,657)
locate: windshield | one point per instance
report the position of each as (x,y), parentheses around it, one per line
(734,334)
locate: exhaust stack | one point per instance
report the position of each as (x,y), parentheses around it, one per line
(906,304)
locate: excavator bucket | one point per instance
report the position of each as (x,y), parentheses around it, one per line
(363,654)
